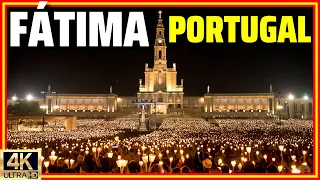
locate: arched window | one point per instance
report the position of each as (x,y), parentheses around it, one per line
(160,33)
(160,54)
(160,78)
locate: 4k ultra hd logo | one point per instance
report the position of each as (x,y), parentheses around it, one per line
(20,164)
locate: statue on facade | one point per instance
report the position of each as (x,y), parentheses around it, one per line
(208,89)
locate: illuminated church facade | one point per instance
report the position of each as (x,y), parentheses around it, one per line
(165,94)
(160,83)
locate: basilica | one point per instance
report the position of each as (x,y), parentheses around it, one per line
(163,93)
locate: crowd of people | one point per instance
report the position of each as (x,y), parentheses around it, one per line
(178,145)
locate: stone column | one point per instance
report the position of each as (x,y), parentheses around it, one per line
(143,126)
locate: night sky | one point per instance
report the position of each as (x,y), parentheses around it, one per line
(227,68)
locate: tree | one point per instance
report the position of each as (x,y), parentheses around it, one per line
(23,107)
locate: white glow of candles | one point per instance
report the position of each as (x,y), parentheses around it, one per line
(160,163)
(119,157)
(171,159)
(152,157)
(67,162)
(281,147)
(257,153)
(167,151)
(304,152)
(175,151)
(110,154)
(187,156)
(181,152)
(233,163)
(248,149)
(116,138)
(140,163)
(54,158)
(143,148)
(160,156)
(209,149)
(293,157)
(273,159)
(46,164)
(145,158)
(94,149)
(280,168)
(219,162)
(295,171)
(71,162)
(265,157)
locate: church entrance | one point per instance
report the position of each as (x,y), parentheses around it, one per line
(159,108)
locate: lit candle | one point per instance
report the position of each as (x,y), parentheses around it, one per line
(46,164)
(233,163)
(71,162)
(161,163)
(67,162)
(110,154)
(94,149)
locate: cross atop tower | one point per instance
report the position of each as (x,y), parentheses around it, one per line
(160,12)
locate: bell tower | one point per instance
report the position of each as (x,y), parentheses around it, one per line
(160,59)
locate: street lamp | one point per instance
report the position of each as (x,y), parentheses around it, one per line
(44,109)
(29,97)
(290,97)
(305,97)
(14,98)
